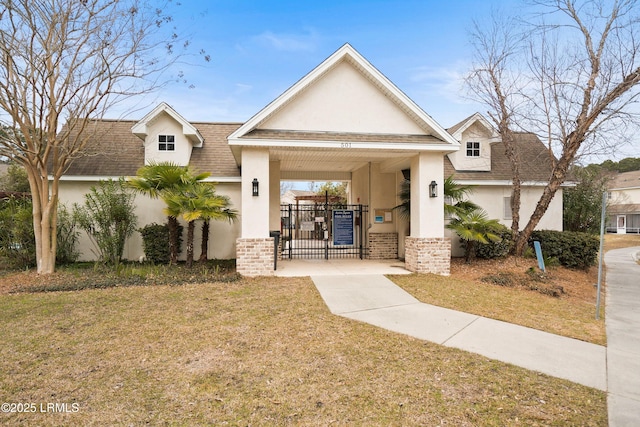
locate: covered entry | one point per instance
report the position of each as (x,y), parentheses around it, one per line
(344,121)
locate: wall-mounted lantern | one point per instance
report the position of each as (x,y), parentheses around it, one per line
(433,189)
(254,185)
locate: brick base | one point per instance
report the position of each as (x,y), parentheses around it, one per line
(383,245)
(254,257)
(428,255)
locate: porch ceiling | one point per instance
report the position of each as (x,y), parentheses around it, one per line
(343,160)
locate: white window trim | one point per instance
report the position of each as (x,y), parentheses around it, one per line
(473,146)
(166,143)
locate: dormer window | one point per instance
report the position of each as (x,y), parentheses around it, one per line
(166,142)
(473,149)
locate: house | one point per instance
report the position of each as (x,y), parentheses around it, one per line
(344,121)
(623,210)
(483,164)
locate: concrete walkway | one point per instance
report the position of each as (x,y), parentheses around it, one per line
(623,336)
(376,300)
(358,290)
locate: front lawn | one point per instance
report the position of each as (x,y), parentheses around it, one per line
(252,352)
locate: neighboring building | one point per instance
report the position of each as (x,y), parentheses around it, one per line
(623,208)
(292,197)
(344,121)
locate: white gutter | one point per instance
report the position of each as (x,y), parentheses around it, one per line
(96,178)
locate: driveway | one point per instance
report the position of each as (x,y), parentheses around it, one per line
(623,336)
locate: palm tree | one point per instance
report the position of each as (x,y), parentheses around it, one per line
(457,194)
(154,180)
(222,213)
(453,192)
(474,227)
(193,202)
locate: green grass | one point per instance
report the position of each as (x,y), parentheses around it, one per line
(253,352)
(567,316)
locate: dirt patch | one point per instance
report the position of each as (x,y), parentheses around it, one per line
(525,274)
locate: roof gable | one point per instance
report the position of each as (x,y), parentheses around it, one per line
(536,164)
(141,128)
(476,118)
(345,94)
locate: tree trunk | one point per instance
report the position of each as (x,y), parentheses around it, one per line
(172,223)
(204,245)
(512,154)
(469,251)
(557,178)
(44,211)
(190,229)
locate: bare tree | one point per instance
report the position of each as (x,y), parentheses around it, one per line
(70,60)
(580,85)
(496,83)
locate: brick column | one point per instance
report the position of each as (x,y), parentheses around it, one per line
(383,245)
(254,256)
(428,255)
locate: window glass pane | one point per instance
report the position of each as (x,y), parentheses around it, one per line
(473,149)
(166,142)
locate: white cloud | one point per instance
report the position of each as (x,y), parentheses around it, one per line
(442,81)
(306,42)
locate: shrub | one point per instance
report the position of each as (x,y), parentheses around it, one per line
(67,237)
(572,249)
(108,218)
(497,249)
(17,240)
(155,242)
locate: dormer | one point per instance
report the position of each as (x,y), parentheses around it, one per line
(167,136)
(476,135)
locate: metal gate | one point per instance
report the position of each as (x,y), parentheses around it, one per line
(324,230)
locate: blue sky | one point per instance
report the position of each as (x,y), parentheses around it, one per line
(260,48)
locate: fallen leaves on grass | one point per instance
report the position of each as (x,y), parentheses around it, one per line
(569,312)
(262,351)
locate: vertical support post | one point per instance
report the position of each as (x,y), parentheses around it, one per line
(291,231)
(325,226)
(361,234)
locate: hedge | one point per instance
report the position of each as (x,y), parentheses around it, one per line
(155,242)
(498,249)
(572,248)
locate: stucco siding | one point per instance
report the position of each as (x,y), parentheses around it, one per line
(166,125)
(222,235)
(343,100)
(493,200)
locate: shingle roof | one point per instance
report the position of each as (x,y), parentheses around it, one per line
(626,180)
(115,151)
(535,163)
(339,136)
(628,208)
(458,125)
(112,151)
